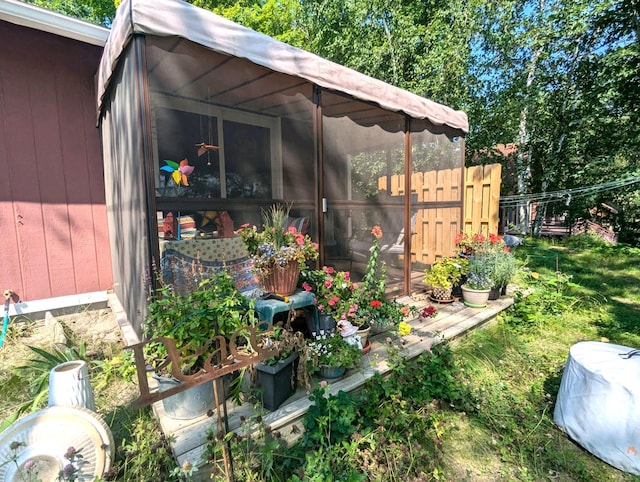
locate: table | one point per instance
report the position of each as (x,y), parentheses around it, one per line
(267,309)
(598,403)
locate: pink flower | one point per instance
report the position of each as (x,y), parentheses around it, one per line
(306,286)
(300,240)
(321,307)
(377,231)
(292,229)
(347,276)
(29,464)
(329,270)
(328,283)
(331,302)
(323,384)
(388,339)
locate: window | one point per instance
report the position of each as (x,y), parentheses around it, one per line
(234,154)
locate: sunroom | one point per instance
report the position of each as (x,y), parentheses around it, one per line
(261,122)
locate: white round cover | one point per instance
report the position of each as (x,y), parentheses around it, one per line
(598,403)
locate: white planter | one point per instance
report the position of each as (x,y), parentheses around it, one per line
(69,385)
(475,298)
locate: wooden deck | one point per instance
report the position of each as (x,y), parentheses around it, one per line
(188,437)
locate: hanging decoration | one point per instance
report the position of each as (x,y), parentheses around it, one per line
(179,172)
(202,148)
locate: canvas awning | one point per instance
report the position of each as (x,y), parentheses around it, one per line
(175,18)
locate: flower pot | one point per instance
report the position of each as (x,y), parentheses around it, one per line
(441,294)
(331,373)
(69,385)
(277,382)
(475,298)
(326,323)
(191,403)
(494,293)
(457,288)
(282,280)
(364,335)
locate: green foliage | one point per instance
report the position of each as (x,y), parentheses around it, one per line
(100,12)
(255,454)
(446,272)
(146,451)
(214,308)
(332,351)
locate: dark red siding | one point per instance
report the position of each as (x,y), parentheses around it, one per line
(52,202)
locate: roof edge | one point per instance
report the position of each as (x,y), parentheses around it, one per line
(38,18)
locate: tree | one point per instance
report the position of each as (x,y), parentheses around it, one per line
(100,12)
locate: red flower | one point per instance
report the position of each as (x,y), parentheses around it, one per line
(375,303)
(479,238)
(377,231)
(459,237)
(306,286)
(494,238)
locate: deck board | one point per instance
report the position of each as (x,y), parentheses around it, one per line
(188,437)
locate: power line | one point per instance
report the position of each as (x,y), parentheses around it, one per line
(520,199)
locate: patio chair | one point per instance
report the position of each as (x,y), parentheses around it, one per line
(391,244)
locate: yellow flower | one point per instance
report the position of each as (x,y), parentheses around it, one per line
(404,328)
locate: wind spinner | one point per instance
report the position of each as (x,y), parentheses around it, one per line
(179,172)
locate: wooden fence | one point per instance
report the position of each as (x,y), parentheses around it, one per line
(436,226)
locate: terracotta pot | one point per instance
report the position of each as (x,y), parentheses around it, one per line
(283,280)
(364,335)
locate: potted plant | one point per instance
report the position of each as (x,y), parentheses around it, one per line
(504,267)
(475,291)
(368,306)
(192,320)
(278,252)
(443,274)
(331,355)
(276,378)
(333,292)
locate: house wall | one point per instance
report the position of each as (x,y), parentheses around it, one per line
(52,201)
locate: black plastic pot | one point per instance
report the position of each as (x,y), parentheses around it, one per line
(277,382)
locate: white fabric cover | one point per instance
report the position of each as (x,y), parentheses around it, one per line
(165,18)
(598,403)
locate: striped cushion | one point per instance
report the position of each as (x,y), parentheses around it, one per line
(301,224)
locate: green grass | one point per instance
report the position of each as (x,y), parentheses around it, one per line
(516,365)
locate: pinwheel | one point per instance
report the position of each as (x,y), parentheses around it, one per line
(179,172)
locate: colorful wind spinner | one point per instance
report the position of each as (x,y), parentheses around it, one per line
(179,172)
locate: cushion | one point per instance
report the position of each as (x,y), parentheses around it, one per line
(301,224)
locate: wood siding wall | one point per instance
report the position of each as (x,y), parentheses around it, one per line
(436,226)
(52,201)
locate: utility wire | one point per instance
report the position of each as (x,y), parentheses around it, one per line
(520,199)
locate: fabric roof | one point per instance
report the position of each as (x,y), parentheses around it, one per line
(166,18)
